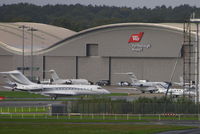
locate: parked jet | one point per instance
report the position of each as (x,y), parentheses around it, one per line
(176,92)
(57,80)
(22,83)
(144,85)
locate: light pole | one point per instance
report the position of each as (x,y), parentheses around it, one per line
(197,82)
(23,27)
(32,30)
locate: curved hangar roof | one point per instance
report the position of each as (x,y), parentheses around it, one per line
(116,40)
(11,35)
(157,40)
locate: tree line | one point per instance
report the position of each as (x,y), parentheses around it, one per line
(79,17)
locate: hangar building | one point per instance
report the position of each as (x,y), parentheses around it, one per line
(149,50)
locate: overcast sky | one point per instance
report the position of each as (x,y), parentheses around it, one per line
(127,3)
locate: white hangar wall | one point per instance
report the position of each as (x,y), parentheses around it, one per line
(93,68)
(64,66)
(154,69)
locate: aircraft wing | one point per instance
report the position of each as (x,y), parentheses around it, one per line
(160,89)
(62,81)
(150,89)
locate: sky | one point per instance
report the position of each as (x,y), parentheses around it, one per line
(119,3)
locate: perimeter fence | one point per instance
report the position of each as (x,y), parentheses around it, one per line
(80,116)
(104,111)
(132,108)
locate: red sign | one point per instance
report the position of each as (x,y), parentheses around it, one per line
(136,38)
(2,98)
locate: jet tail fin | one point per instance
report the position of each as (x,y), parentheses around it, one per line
(54,75)
(131,76)
(18,77)
(181,81)
(8,83)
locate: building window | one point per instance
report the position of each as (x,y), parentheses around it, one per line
(91,49)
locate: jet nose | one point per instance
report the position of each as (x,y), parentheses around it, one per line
(105,91)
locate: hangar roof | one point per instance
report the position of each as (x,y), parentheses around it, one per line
(11,35)
(173,26)
(48,37)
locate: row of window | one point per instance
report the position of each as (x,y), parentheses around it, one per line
(71,88)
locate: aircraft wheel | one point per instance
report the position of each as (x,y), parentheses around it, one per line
(151,91)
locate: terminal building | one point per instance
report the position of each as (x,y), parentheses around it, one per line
(148,50)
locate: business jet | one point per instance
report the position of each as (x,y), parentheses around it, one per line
(57,80)
(176,92)
(144,85)
(22,83)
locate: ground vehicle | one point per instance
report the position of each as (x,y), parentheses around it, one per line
(103,83)
(123,83)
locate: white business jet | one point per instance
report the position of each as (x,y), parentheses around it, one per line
(24,84)
(176,92)
(144,85)
(57,80)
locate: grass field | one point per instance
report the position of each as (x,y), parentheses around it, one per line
(19,94)
(62,127)
(72,120)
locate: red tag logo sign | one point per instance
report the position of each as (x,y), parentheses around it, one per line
(136,38)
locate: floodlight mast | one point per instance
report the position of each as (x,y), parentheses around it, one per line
(23,27)
(32,30)
(197,58)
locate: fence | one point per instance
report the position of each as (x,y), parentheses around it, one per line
(132,108)
(43,109)
(110,108)
(80,116)
(106,110)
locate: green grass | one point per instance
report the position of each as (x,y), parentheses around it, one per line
(60,127)
(19,94)
(66,120)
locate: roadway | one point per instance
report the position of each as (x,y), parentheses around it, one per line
(181,123)
(191,131)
